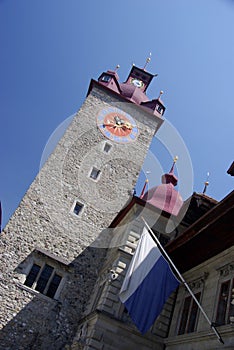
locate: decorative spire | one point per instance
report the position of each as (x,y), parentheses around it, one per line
(143,189)
(173,165)
(117,67)
(170,177)
(147,61)
(206,183)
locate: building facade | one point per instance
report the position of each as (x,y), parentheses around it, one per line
(66,249)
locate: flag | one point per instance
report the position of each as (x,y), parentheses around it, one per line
(148,283)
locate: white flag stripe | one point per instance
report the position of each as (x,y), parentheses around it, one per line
(142,262)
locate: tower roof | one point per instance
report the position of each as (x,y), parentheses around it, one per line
(134,88)
(164,196)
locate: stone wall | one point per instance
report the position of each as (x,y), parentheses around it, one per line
(44,220)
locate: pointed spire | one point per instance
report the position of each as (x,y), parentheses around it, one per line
(173,165)
(143,189)
(170,177)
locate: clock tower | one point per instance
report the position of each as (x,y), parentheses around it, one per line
(55,243)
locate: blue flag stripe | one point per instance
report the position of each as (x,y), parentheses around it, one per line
(147,301)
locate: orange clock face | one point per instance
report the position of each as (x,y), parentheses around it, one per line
(117,125)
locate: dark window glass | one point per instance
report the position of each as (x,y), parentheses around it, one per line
(222,303)
(77,208)
(159,108)
(32,275)
(94,173)
(184,317)
(193,314)
(189,315)
(53,286)
(44,278)
(231,310)
(107,147)
(106,78)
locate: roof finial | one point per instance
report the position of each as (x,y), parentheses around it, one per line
(143,189)
(117,67)
(206,183)
(160,94)
(147,61)
(174,161)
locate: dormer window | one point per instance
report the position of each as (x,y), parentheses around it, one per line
(159,109)
(105,78)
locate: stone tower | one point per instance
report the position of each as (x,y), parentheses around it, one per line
(54,245)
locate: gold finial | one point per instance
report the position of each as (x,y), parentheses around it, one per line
(206,183)
(148,59)
(133,64)
(117,67)
(161,93)
(175,159)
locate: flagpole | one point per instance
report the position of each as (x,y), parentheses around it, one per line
(156,240)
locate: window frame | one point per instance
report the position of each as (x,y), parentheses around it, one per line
(107,145)
(41,257)
(197,286)
(187,317)
(42,265)
(227,313)
(98,172)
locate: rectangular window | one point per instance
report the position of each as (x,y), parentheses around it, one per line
(225,309)
(32,275)
(189,315)
(107,147)
(53,285)
(77,208)
(95,173)
(106,78)
(45,278)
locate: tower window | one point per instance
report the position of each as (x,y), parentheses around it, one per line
(105,78)
(77,208)
(107,147)
(44,279)
(159,108)
(95,173)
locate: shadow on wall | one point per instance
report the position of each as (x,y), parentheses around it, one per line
(40,322)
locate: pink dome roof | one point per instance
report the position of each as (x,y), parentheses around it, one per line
(133,93)
(165,197)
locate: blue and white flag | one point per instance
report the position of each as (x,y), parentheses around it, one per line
(148,283)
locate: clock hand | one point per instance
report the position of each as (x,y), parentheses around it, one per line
(127,125)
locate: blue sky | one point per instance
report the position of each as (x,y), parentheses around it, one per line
(49,51)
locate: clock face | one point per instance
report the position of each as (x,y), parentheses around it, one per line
(137,82)
(117,125)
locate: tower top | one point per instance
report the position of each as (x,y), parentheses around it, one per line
(134,88)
